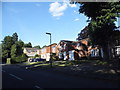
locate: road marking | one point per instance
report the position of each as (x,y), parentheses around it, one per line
(3,71)
(16,77)
(39,87)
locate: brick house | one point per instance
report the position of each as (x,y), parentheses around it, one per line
(45,51)
(75,50)
(64,46)
(71,50)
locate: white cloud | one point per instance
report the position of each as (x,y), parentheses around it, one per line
(68,3)
(57,9)
(72,5)
(77,19)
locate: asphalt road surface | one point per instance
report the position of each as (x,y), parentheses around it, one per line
(14,76)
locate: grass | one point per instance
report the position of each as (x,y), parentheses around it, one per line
(99,62)
(65,63)
(41,65)
(33,63)
(62,65)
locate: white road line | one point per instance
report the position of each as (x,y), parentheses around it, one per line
(3,71)
(16,77)
(39,87)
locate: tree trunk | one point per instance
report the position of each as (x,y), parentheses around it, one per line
(105,53)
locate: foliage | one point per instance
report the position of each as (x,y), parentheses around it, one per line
(17,53)
(15,37)
(6,46)
(20,43)
(44,46)
(12,48)
(98,62)
(101,17)
(24,57)
(19,59)
(29,45)
(38,47)
(39,56)
(16,49)
(83,34)
(8,61)
(54,57)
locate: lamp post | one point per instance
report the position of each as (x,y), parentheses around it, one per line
(50,50)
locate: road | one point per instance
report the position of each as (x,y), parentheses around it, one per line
(14,76)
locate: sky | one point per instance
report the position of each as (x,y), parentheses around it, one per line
(31,21)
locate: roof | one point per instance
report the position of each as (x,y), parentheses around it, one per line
(49,45)
(31,48)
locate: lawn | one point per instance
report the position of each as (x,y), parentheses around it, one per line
(64,63)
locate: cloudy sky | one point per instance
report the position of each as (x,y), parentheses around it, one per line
(31,20)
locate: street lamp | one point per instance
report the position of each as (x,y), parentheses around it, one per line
(50,50)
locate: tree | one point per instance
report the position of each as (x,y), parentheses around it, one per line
(29,45)
(6,46)
(16,50)
(15,37)
(44,46)
(83,34)
(12,48)
(17,54)
(20,43)
(38,47)
(101,17)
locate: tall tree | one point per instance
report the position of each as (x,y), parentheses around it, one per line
(17,54)
(83,34)
(16,50)
(15,37)
(29,45)
(102,16)
(20,43)
(6,46)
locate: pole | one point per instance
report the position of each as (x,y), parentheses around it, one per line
(50,52)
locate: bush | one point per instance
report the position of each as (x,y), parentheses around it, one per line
(36,56)
(24,57)
(19,59)
(54,57)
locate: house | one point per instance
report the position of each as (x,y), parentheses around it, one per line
(31,51)
(45,51)
(75,50)
(71,50)
(64,47)
(115,52)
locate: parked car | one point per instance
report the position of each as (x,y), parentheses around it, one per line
(36,59)
(39,59)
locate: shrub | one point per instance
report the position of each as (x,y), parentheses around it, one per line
(24,57)
(54,57)
(19,59)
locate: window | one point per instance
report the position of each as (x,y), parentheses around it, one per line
(53,49)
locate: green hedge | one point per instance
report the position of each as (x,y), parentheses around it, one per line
(20,59)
